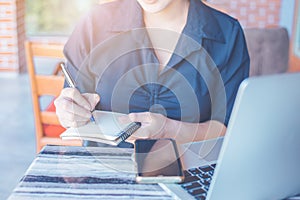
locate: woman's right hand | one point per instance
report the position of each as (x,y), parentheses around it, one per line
(73,108)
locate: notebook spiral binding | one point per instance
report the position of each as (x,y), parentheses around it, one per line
(129,130)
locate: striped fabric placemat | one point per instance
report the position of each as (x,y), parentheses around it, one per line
(63,172)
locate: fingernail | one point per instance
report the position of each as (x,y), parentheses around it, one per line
(96,97)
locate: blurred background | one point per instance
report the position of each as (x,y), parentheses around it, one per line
(52,21)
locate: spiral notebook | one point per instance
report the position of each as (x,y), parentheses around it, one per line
(107,129)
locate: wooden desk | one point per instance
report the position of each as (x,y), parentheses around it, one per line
(60,172)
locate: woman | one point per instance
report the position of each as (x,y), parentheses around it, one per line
(173,65)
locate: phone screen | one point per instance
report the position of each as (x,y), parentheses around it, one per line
(158,158)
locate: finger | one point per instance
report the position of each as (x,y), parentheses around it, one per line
(141,133)
(130,141)
(124,119)
(73,116)
(68,123)
(71,120)
(74,95)
(143,117)
(133,138)
(65,106)
(92,98)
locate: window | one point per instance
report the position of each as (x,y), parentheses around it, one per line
(54,17)
(297,34)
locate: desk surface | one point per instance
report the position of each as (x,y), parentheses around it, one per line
(84,173)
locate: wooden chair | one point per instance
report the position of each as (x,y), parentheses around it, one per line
(47,126)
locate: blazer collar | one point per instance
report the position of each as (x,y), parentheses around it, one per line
(202,23)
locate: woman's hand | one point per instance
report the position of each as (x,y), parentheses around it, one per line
(158,126)
(154,125)
(73,108)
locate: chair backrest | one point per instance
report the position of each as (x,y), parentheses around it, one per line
(268,49)
(44,85)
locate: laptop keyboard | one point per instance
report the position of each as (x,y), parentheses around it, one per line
(197,180)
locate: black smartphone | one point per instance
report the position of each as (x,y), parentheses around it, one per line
(157,161)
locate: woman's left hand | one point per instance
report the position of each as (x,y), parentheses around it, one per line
(153,125)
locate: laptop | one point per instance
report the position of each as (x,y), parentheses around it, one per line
(259,157)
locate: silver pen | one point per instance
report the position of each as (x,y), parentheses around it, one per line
(70,81)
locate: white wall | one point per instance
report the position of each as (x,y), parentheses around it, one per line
(287,14)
